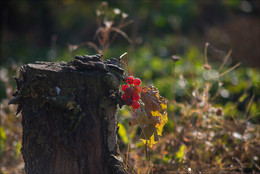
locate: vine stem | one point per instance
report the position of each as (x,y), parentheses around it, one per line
(125,63)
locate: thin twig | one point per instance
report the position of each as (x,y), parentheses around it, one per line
(98,31)
(151,165)
(146,140)
(225,60)
(127,152)
(122,33)
(125,63)
(125,24)
(146,149)
(216,94)
(121,25)
(205,53)
(90,44)
(249,105)
(232,68)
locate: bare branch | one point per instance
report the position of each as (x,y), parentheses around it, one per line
(98,31)
(90,44)
(122,33)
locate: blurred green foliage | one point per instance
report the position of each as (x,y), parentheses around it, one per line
(2,140)
(40,30)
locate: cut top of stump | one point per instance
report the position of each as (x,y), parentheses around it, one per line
(69,74)
(81,63)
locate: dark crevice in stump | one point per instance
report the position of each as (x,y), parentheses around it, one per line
(69,116)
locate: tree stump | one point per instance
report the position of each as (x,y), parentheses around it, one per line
(69,116)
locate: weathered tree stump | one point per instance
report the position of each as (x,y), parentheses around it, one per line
(69,116)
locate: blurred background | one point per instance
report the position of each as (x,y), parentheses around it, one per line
(156,29)
(30,30)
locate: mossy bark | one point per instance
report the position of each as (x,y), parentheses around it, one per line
(69,116)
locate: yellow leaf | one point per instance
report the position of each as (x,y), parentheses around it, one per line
(150,142)
(149,135)
(181,152)
(71,105)
(164,120)
(153,115)
(123,133)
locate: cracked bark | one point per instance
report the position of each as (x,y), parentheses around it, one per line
(69,116)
